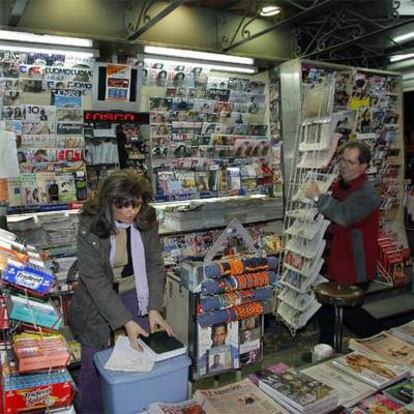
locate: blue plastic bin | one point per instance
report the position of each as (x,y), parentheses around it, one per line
(131,393)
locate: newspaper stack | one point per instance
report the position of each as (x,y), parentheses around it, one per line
(241,397)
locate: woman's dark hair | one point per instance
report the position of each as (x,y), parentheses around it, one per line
(121,188)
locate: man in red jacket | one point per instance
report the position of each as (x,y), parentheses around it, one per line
(353,209)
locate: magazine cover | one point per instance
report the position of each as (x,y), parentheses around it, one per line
(29,189)
(379,403)
(47,184)
(296,389)
(14,192)
(350,389)
(250,340)
(403,391)
(118,81)
(387,346)
(37,113)
(67,188)
(219,339)
(38,128)
(242,397)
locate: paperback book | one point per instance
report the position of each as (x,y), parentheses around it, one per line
(161,346)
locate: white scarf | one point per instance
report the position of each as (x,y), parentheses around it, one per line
(138,264)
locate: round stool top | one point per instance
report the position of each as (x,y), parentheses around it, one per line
(331,293)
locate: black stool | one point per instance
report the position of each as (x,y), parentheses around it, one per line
(339,296)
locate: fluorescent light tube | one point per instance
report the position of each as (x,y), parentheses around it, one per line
(45,39)
(209,66)
(191,54)
(268,11)
(30,49)
(403,37)
(397,58)
(407,76)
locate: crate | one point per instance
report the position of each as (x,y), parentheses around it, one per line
(131,393)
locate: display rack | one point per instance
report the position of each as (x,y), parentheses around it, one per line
(224,294)
(335,104)
(34,354)
(42,97)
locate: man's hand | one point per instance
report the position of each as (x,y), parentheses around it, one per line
(133,331)
(155,319)
(312,191)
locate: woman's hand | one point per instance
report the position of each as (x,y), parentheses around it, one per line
(133,331)
(155,319)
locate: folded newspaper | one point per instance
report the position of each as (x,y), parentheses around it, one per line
(126,358)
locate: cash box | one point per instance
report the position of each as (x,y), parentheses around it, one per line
(131,393)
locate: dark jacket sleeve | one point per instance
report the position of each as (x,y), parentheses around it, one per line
(155,269)
(353,209)
(97,279)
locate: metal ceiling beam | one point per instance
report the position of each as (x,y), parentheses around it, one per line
(17,11)
(358,38)
(163,13)
(323,5)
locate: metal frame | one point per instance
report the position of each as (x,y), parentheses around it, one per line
(144,17)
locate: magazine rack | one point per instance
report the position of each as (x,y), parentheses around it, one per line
(225,324)
(324,105)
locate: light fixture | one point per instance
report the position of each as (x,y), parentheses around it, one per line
(45,39)
(192,54)
(207,66)
(397,58)
(404,37)
(49,49)
(407,76)
(268,11)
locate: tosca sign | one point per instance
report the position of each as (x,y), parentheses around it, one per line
(119,117)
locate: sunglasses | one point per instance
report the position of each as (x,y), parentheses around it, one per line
(128,204)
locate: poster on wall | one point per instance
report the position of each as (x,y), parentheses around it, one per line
(118,80)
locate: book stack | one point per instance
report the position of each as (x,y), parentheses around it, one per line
(298,392)
(160,346)
(35,355)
